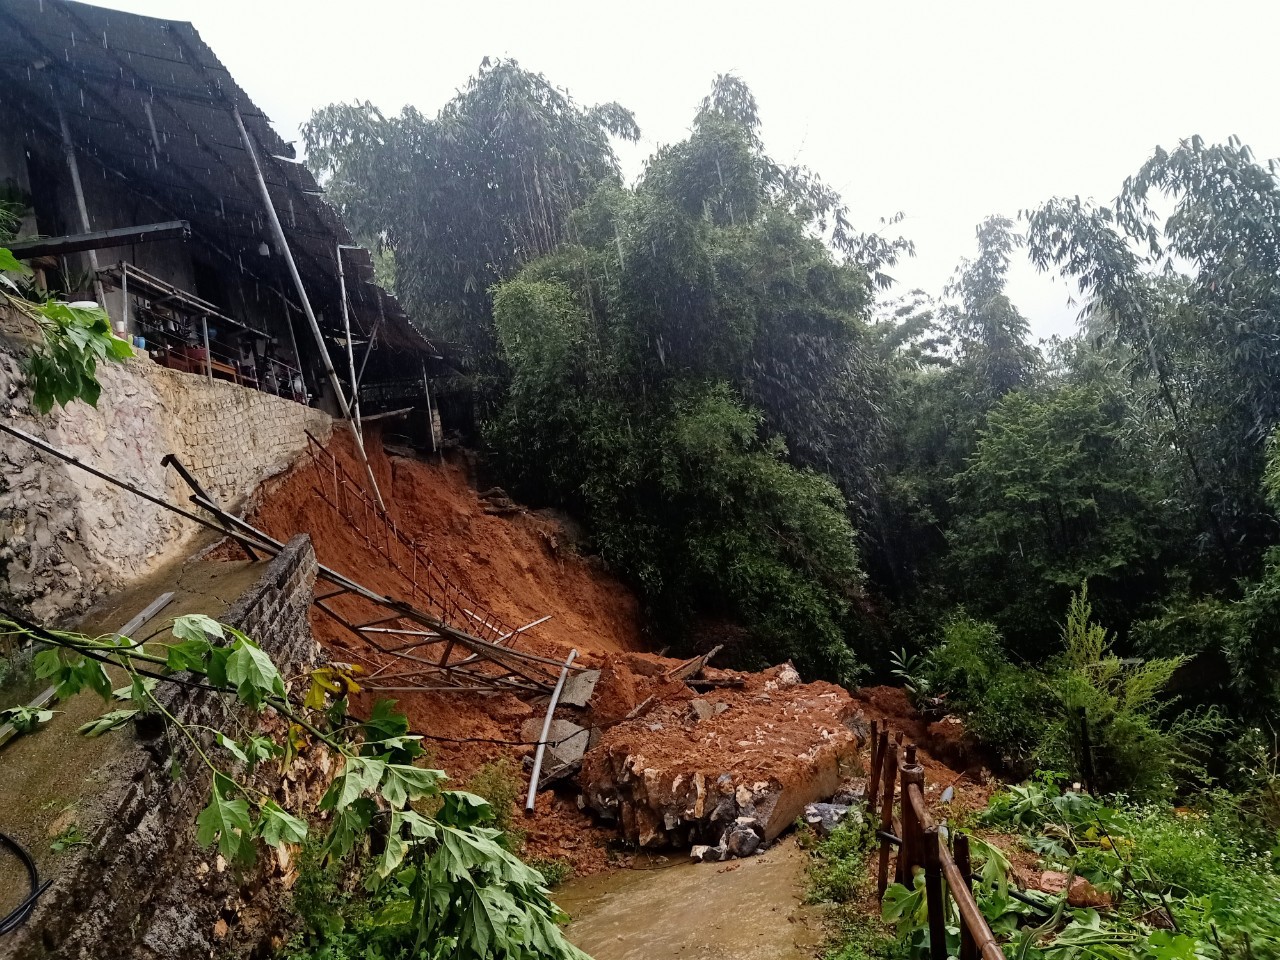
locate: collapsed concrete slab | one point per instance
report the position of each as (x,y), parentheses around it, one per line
(705,773)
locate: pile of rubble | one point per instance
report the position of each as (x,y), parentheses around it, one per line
(725,770)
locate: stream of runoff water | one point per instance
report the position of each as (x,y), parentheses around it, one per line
(750,909)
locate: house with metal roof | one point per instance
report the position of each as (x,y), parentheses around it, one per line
(151,183)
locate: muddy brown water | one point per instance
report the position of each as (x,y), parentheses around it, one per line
(749,909)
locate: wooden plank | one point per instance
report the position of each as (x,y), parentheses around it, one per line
(100,239)
(691,668)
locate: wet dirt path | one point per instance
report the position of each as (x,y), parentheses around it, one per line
(749,909)
(50,779)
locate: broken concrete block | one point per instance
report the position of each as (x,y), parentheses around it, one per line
(566,741)
(700,709)
(579,687)
(763,760)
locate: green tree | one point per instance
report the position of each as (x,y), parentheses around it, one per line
(464,199)
(688,374)
(992,335)
(1193,295)
(1057,492)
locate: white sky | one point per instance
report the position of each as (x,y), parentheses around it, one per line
(948,111)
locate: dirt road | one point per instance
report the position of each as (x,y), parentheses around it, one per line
(743,910)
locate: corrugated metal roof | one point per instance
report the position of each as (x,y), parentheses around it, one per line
(151,103)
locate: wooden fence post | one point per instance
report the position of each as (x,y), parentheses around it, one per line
(937,906)
(968,945)
(889,761)
(909,853)
(879,743)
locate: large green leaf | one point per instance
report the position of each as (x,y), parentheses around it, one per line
(225,822)
(11,263)
(403,783)
(253,674)
(359,774)
(276,826)
(197,626)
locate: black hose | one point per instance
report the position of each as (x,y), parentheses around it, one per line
(22,911)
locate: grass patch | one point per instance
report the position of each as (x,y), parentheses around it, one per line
(839,875)
(555,871)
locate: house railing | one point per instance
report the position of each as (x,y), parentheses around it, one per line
(948,873)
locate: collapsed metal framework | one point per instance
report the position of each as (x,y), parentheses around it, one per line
(429,586)
(432,654)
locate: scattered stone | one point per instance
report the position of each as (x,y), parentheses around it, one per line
(744,838)
(705,853)
(851,792)
(825,817)
(1082,892)
(786,677)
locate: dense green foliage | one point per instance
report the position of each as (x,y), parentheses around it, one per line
(1106,720)
(680,376)
(697,365)
(1180,884)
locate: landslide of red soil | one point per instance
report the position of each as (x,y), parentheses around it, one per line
(515,565)
(763,727)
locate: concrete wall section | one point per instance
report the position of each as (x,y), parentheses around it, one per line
(67,537)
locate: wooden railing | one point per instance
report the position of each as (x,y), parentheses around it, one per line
(947,870)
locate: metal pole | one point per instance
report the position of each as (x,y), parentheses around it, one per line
(208,355)
(369,349)
(346,329)
(278,232)
(124,296)
(293,337)
(546,731)
(431,417)
(69,149)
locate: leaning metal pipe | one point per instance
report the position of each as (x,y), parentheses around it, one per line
(546,732)
(278,232)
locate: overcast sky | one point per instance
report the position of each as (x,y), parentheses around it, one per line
(946,111)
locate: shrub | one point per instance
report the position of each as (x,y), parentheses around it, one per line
(839,864)
(555,871)
(1108,727)
(500,783)
(1003,705)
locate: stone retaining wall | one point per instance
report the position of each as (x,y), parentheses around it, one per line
(142,888)
(67,537)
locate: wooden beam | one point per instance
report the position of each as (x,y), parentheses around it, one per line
(100,239)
